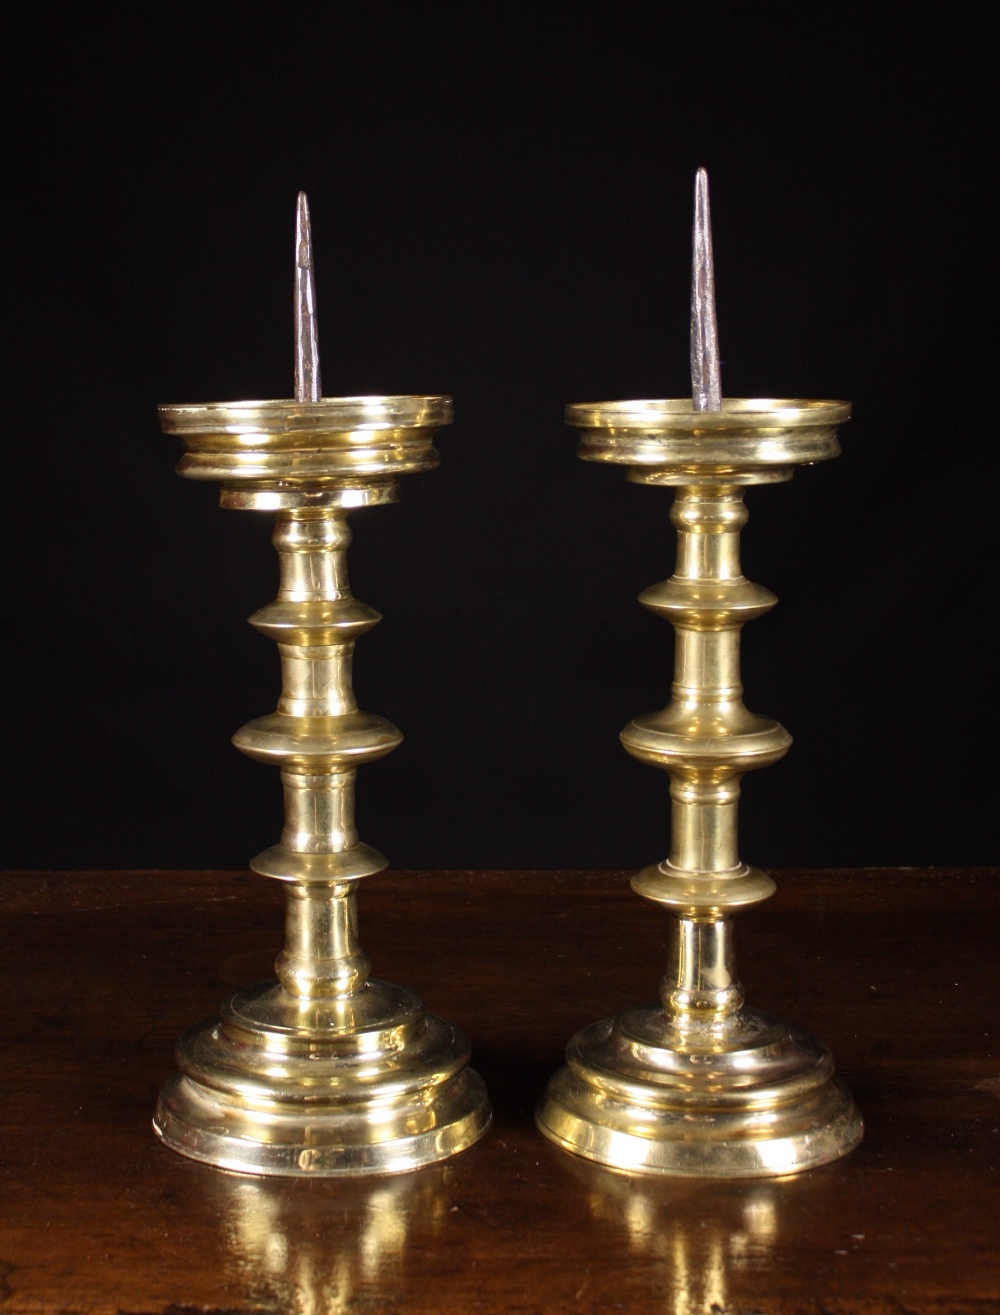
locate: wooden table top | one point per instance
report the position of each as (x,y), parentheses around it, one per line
(895,969)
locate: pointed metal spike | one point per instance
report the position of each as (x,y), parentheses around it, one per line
(307,380)
(706,384)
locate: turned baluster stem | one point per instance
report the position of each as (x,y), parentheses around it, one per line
(322,956)
(702,982)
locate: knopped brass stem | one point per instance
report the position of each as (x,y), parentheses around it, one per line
(322,956)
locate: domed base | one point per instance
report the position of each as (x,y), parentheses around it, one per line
(756,1099)
(362,1085)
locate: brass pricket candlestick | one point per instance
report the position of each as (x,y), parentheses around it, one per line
(700,1084)
(324,1071)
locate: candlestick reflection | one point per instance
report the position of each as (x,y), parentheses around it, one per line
(705,1254)
(317,1253)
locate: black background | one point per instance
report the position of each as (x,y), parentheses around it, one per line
(501,206)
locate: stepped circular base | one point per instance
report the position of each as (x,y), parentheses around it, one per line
(757,1100)
(369,1084)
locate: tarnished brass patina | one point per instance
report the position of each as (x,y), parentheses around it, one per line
(699,1084)
(324,1071)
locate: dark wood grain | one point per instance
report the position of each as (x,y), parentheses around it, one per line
(895,969)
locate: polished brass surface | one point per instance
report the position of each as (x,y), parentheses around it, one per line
(343,451)
(699,1084)
(324,1071)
